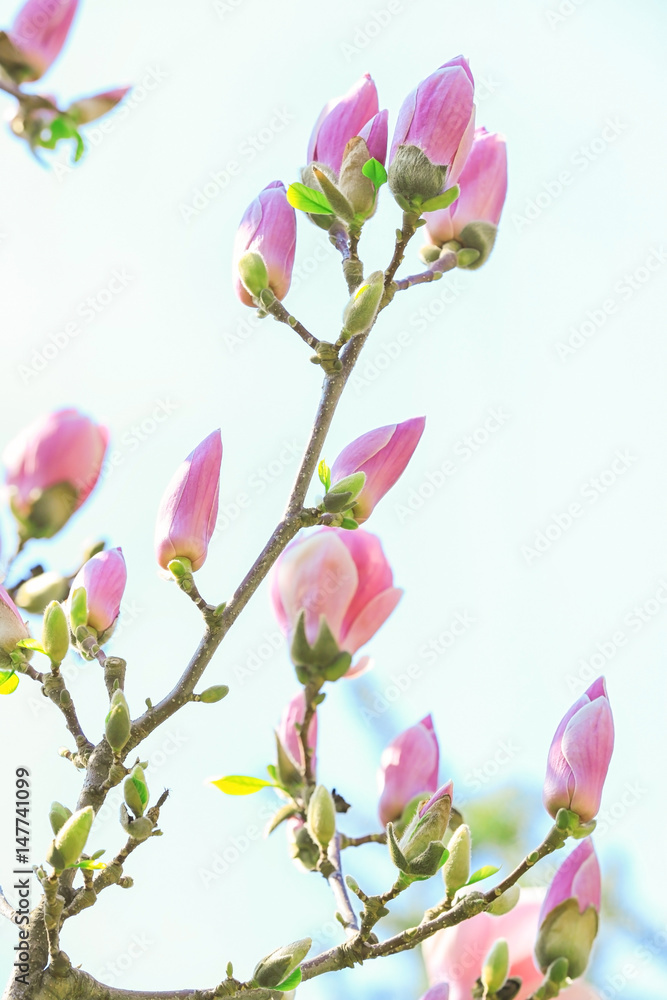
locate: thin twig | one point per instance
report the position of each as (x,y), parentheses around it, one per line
(278,311)
(6,908)
(339,889)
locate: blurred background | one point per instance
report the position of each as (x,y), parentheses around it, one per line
(561,336)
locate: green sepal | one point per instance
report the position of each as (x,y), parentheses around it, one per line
(338,667)
(33,644)
(395,852)
(78,608)
(291,982)
(284,813)
(324,475)
(334,196)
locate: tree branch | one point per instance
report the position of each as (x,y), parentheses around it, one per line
(339,889)
(6,908)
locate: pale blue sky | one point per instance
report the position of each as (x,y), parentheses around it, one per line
(577,94)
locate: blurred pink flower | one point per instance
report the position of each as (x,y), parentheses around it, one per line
(40,30)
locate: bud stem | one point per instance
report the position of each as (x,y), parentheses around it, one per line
(278,311)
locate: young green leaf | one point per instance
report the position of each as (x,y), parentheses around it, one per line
(375,172)
(443,200)
(308,200)
(486,872)
(31,644)
(324,473)
(8,681)
(291,982)
(241,784)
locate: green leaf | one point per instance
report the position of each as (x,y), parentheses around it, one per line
(485,872)
(308,200)
(241,784)
(98,854)
(89,865)
(375,172)
(291,982)
(141,789)
(324,473)
(349,524)
(443,200)
(31,644)
(273,773)
(8,681)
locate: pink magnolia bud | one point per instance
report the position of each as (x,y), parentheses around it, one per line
(343,118)
(189,507)
(568,922)
(375,134)
(39,31)
(408,767)
(294,713)
(103,577)
(483,184)
(341,576)
(88,109)
(577,878)
(381,454)
(12,627)
(268,228)
(438,117)
(61,453)
(579,755)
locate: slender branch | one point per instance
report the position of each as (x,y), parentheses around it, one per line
(11,88)
(339,889)
(369,838)
(6,908)
(309,693)
(404,235)
(278,311)
(55,689)
(447,262)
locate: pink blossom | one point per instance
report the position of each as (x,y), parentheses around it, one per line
(342,119)
(189,507)
(268,227)
(374,134)
(63,448)
(342,576)
(439,117)
(88,109)
(104,578)
(579,878)
(579,755)
(294,713)
(382,454)
(408,767)
(12,626)
(40,30)
(483,184)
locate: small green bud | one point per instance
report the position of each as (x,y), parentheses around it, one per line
(303,850)
(357,188)
(135,791)
(467,257)
(213,694)
(496,966)
(71,838)
(78,608)
(55,632)
(141,828)
(253,272)
(321,818)
(456,870)
(479,236)
(36,593)
(503,904)
(361,310)
(118,723)
(58,816)
(276,967)
(429,253)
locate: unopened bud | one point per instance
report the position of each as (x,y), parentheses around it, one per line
(78,608)
(71,839)
(276,967)
(321,816)
(213,694)
(253,272)
(125,882)
(58,816)
(55,632)
(413,178)
(286,766)
(361,310)
(344,493)
(479,236)
(357,188)
(496,966)
(503,904)
(34,594)
(117,723)
(467,257)
(568,933)
(135,791)
(456,870)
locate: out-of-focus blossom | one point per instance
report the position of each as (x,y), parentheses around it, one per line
(39,32)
